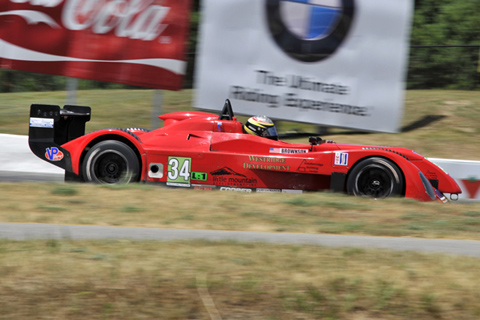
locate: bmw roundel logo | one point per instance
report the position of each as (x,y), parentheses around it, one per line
(309,30)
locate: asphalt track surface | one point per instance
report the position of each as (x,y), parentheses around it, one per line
(17,163)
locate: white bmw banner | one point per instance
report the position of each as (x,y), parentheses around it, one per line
(339,63)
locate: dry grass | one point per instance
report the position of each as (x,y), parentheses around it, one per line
(169,280)
(161,280)
(158,207)
(111,108)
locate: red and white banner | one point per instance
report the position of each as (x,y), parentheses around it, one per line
(137,42)
(466,174)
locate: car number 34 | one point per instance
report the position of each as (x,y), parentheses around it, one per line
(179,169)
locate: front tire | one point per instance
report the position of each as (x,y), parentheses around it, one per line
(111,162)
(376,178)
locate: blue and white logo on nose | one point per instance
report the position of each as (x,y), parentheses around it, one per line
(309,30)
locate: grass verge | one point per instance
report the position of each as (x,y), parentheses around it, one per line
(172,280)
(175,280)
(141,205)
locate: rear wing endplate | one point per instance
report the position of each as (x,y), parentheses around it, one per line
(51,127)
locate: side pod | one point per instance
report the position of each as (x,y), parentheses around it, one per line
(50,127)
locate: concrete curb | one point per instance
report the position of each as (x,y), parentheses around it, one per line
(27,231)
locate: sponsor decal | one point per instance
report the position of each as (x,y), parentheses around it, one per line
(175,184)
(199,176)
(266,159)
(246,190)
(203,187)
(309,167)
(273,167)
(431,175)
(41,123)
(265,167)
(241,181)
(178,172)
(291,191)
(309,30)
(268,190)
(472,185)
(220,127)
(53,154)
(226,171)
(341,158)
(288,150)
(226,176)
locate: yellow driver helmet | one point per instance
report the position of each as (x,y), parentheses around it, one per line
(261,126)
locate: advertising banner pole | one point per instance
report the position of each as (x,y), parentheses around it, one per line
(156,109)
(71,88)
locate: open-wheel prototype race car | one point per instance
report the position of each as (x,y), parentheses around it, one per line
(206,151)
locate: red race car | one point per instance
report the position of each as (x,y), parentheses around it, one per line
(206,151)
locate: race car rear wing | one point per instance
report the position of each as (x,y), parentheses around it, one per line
(51,127)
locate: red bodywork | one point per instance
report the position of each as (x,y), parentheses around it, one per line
(197,150)
(206,151)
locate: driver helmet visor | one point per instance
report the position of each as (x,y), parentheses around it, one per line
(270,133)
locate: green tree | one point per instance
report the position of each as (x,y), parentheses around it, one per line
(445,23)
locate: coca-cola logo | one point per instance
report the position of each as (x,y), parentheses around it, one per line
(135,19)
(137,42)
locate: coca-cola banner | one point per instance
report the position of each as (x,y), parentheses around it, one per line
(137,42)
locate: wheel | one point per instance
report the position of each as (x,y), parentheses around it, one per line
(111,162)
(375,177)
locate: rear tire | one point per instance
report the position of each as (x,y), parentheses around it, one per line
(376,178)
(111,162)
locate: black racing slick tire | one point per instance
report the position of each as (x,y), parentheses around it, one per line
(376,178)
(111,162)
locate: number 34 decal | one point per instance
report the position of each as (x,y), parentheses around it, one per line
(179,171)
